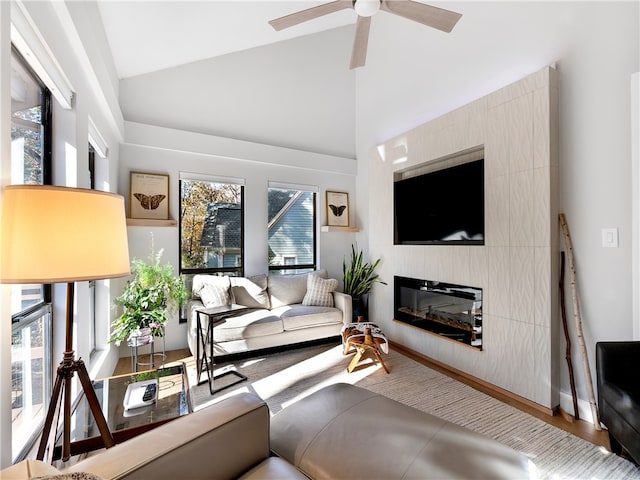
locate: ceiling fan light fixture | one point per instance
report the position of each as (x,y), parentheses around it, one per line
(366,8)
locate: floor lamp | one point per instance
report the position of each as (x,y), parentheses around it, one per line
(63,235)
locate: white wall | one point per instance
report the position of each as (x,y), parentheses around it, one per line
(296,94)
(596,47)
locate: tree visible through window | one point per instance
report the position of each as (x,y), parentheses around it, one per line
(211,227)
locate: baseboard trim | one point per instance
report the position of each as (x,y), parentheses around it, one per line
(584,407)
(477,383)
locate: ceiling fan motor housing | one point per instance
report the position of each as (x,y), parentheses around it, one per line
(366,8)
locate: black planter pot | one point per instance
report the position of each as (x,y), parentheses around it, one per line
(359,306)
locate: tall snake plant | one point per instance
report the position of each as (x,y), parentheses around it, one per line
(359,276)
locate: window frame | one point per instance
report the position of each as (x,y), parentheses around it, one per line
(24,318)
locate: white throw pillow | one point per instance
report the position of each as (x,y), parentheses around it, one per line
(214,296)
(320,291)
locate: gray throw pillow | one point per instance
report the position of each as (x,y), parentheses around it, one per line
(250,292)
(289,289)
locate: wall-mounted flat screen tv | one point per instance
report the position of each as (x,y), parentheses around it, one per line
(443,207)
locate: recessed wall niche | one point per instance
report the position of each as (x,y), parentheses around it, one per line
(517,267)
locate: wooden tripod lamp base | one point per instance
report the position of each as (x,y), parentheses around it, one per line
(62,395)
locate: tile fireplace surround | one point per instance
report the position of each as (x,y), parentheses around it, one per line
(517,267)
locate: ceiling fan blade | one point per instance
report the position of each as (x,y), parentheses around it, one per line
(428,15)
(360,42)
(309,14)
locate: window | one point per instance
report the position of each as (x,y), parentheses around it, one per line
(30,304)
(292,229)
(211,225)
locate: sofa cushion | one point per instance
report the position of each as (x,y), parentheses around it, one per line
(289,289)
(319,291)
(250,292)
(249,324)
(296,317)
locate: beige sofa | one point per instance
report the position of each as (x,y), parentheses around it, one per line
(282,310)
(340,431)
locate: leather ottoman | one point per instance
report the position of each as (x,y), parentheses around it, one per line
(343,431)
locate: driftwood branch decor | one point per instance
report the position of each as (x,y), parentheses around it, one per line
(565,327)
(578,320)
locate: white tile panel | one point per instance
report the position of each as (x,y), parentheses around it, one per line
(544,290)
(497,211)
(522,294)
(521,220)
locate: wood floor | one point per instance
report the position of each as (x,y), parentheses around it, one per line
(579,428)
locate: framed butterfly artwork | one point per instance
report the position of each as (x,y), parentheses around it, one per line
(149,196)
(337,209)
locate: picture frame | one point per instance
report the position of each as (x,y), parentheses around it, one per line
(337,209)
(149,196)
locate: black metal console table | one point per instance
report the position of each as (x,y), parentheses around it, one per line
(204,360)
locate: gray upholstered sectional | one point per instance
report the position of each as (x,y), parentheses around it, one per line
(339,432)
(282,310)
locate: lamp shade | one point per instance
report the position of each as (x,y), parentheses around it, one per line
(61,234)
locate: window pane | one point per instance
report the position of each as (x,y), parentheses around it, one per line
(211,224)
(30,383)
(27,165)
(291,229)
(25,296)
(27,158)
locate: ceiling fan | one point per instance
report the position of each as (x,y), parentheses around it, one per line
(428,15)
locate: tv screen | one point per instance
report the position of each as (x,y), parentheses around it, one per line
(441,208)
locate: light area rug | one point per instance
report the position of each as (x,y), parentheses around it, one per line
(283,378)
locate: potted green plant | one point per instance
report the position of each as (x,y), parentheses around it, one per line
(149,296)
(359,277)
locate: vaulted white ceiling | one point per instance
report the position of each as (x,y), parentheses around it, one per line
(146,36)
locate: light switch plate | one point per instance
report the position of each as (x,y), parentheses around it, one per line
(610,237)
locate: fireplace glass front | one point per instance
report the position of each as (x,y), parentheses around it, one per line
(444,309)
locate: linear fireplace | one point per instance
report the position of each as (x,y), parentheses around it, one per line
(444,309)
